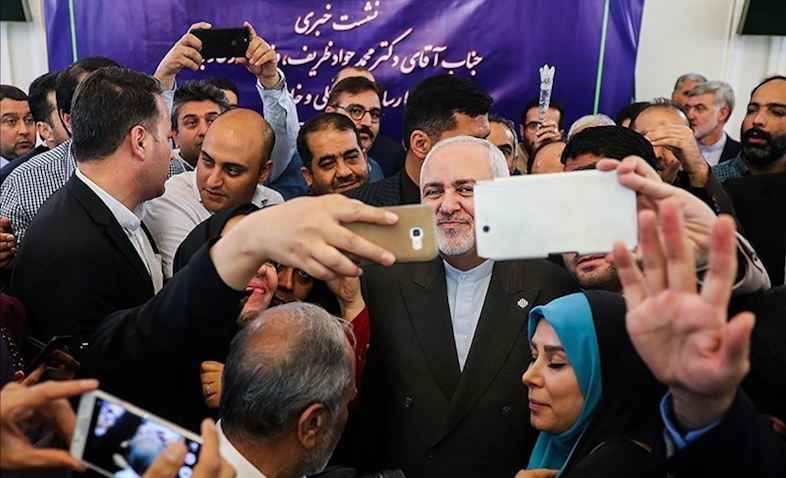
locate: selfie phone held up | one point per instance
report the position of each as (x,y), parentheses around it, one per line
(116,438)
(55,343)
(412,239)
(223,42)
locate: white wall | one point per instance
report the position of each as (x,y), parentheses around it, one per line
(698,36)
(677,36)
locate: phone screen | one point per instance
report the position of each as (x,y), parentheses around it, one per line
(124,444)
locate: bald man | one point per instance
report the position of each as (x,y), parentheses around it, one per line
(233,164)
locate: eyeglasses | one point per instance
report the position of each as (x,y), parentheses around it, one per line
(532,125)
(357,112)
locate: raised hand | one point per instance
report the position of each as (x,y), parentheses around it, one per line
(261,59)
(183,54)
(682,334)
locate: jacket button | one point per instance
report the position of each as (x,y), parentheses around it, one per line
(505,411)
(430,454)
(408,402)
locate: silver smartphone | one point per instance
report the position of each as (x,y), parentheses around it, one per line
(533,216)
(118,439)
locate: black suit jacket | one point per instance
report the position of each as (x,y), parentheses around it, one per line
(150,355)
(419,411)
(381,193)
(76,266)
(389,154)
(760,202)
(730,150)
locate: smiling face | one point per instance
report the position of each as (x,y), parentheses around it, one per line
(262,287)
(449,189)
(339,164)
(555,398)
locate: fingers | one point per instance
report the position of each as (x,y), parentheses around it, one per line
(168,463)
(251,31)
(681,263)
(211,366)
(607,164)
(633,285)
(736,345)
(210,464)
(46,392)
(719,279)
(652,253)
(42,458)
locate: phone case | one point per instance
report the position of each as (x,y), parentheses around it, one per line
(223,42)
(412,239)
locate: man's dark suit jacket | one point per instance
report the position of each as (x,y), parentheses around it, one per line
(730,150)
(150,355)
(76,266)
(381,193)
(760,202)
(390,155)
(9,168)
(419,412)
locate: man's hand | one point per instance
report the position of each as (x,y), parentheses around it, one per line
(306,233)
(537,473)
(209,464)
(548,131)
(683,335)
(680,140)
(46,404)
(7,243)
(636,174)
(185,53)
(261,59)
(210,374)
(347,292)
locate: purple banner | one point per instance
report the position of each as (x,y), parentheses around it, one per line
(498,43)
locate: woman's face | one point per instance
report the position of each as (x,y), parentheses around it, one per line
(555,398)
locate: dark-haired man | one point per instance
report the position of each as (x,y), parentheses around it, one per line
(534,133)
(195,106)
(17,127)
(229,88)
(683,85)
(503,136)
(43,107)
(87,253)
(763,133)
(333,159)
(439,107)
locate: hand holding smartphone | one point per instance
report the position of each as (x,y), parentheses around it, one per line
(223,42)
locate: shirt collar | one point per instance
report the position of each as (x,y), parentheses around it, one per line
(259,199)
(718,145)
(127,219)
(473,275)
(243,467)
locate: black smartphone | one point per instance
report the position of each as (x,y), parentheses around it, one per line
(223,42)
(55,343)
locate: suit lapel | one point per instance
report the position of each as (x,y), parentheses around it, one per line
(501,324)
(429,312)
(103,217)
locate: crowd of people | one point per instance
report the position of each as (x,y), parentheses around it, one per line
(214,280)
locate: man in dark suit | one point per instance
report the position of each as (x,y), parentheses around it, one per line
(442,393)
(439,107)
(708,107)
(87,254)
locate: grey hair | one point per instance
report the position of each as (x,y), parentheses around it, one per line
(589,121)
(267,385)
(510,125)
(497,163)
(722,91)
(688,77)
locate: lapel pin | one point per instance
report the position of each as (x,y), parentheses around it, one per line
(523,303)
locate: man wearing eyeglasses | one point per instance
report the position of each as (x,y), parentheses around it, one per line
(534,133)
(360,99)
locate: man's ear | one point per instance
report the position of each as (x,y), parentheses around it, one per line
(521,132)
(174,138)
(66,119)
(136,139)
(312,425)
(307,175)
(45,131)
(723,113)
(420,143)
(264,172)
(329,109)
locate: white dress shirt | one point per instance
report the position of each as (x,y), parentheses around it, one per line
(3,161)
(243,468)
(466,295)
(174,215)
(131,224)
(712,153)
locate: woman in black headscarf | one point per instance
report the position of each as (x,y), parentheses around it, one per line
(590,395)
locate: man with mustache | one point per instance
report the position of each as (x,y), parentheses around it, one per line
(763,134)
(439,396)
(334,160)
(708,107)
(360,100)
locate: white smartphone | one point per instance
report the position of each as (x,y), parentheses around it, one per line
(118,439)
(533,216)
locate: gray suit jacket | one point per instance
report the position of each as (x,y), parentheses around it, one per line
(419,411)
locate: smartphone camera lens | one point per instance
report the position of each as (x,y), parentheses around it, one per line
(234,42)
(416,232)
